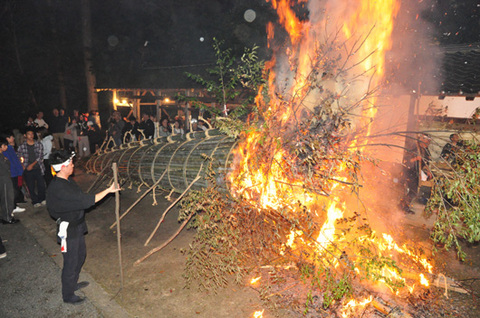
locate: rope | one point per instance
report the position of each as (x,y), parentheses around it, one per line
(169,196)
(154,198)
(445,283)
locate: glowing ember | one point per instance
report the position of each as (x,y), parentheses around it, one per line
(353,305)
(255,280)
(258,314)
(424,281)
(328,229)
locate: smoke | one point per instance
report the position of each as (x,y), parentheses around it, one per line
(415,59)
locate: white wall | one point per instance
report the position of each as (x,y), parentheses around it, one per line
(450,106)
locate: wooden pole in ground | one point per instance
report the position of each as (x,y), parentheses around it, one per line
(117,216)
(139,199)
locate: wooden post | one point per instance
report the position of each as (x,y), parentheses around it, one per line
(187,118)
(117,216)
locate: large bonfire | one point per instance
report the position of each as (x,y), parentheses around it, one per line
(296,217)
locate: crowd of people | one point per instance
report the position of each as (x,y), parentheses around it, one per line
(27,151)
(129,129)
(37,163)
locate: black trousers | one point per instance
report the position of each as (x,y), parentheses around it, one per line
(36,185)
(73,261)
(6,198)
(48,171)
(2,248)
(19,197)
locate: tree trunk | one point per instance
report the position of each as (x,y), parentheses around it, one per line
(33,100)
(87,55)
(62,90)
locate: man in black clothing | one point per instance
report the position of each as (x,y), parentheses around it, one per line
(147,126)
(416,162)
(449,151)
(132,127)
(66,204)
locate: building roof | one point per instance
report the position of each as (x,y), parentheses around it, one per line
(461,70)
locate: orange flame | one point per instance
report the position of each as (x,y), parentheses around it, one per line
(254,280)
(377,41)
(266,182)
(258,314)
(353,304)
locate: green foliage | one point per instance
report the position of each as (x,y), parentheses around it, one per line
(213,254)
(456,201)
(231,76)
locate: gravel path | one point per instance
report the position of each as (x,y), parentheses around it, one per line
(30,280)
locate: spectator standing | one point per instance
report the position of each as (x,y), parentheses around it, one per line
(416,162)
(117,127)
(40,121)
(94,136)
(76,115)
(95,118)
(147,126)
(30,123)
(201,126)
(6,187)
(47,141)
(57,128)
(450,149)
(165,129)
(32,153)
(132,127)
(70,137)
(177,128)
(83,145)
(16,171)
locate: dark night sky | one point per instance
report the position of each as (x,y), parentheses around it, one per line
(46,38)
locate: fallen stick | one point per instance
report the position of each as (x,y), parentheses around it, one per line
(283,290)
(166,243)
(173,204)
(388,311)
(139,199)
(117,212)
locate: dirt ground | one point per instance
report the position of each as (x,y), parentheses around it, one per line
(156,286)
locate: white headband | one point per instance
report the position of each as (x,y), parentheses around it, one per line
(58,166)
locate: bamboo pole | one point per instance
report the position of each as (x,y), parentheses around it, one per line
(99,175)
(138,200)
(117,212)
(172,205)
(156,249)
